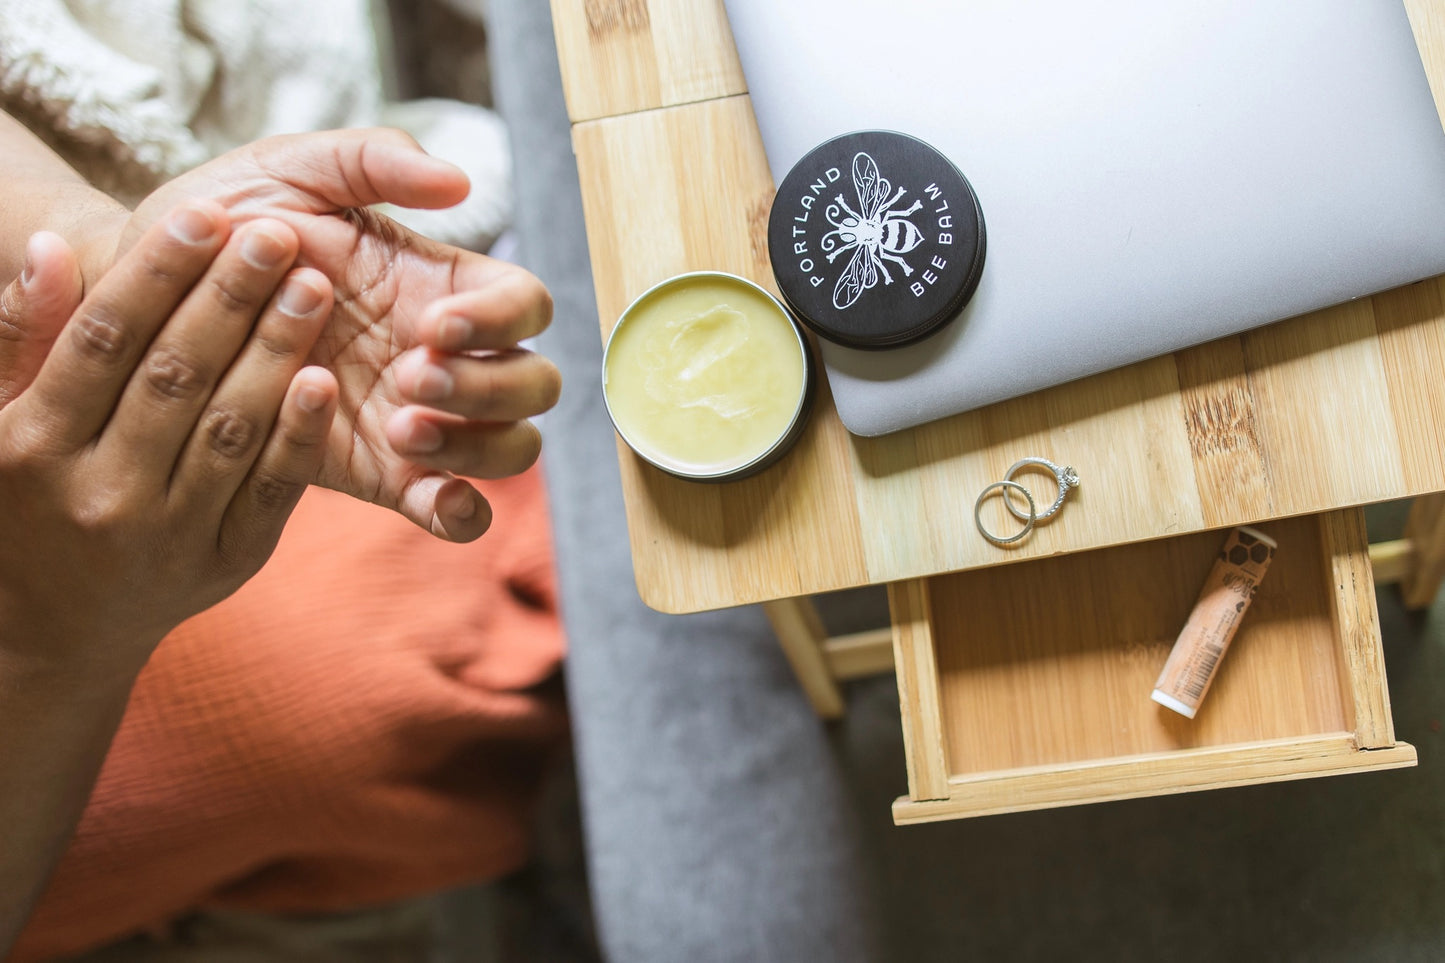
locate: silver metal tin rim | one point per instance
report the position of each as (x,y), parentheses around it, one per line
(800,411)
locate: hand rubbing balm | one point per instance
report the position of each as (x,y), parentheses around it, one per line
(707,377)
(1222,603)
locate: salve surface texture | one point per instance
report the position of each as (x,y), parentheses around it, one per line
(704,375)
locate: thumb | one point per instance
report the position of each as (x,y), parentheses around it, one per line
(337,169)
(34,308)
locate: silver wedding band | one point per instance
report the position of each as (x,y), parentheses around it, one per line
(1006,487)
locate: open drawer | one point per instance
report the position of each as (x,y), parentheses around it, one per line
(1027,686)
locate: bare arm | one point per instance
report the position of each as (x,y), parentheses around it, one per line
(152,443)
(55,728)
(40,192)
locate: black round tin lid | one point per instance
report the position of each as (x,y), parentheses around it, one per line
(876,239)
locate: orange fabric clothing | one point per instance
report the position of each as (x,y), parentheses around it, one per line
(363,721)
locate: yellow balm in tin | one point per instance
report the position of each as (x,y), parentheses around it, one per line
(707,376)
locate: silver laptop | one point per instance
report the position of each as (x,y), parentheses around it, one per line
(1152,175)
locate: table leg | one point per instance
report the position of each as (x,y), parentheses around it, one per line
(1425,533)
(924,749)
(800,632)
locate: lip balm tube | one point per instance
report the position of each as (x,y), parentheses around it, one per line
(708,377)
(1222,603)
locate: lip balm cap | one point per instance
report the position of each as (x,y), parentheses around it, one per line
(1169,702)
(876,240)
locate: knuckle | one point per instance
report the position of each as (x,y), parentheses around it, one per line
(273,492)
(276,341)
(237,560)
(26,450)
(100,335)
(232,295)
(230,434)
(102,513)
(165,268)
(173,377)
(301,443)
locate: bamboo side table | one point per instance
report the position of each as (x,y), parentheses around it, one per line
(1307,417)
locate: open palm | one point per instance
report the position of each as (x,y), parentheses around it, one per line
(423,336)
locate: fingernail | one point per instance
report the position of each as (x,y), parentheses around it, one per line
(299,299)
(311,398)
(425,437)
(27,273)
(453,333)
(191,226)
(433,383)
(262,251)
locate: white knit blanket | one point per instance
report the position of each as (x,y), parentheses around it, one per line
(134,92)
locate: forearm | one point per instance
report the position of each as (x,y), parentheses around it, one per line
(39,191)
(56,723)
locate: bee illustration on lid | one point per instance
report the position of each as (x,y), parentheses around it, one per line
(876,235)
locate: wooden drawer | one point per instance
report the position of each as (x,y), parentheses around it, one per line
(1027,686)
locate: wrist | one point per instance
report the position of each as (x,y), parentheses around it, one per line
(72,658)
(95,238)
(66,680)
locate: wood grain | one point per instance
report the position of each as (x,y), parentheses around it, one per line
(870,652)
(1357,626)
(1322,404)
(1160,774)
(1231,470)
(1392,561)
(860,654)
(800,634)
(1335,409)
(915,661)
(793,530)
(1425,531)
(622,56)
(1412,343)
(1054,665)
(1044,673)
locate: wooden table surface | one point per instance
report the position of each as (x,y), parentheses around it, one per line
(1338,408)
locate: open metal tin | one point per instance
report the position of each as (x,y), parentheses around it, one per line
(777,430)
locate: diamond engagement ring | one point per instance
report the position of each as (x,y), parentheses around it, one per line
(1066,477)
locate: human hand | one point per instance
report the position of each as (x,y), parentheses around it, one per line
(154,441)
(423,338)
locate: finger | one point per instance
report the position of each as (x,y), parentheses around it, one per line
(446,506)
(478,450)
(288,462)
(506,386)
(33,310)
(508,309)
(79,384)
(243,409)
(173,382)
(357,168)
